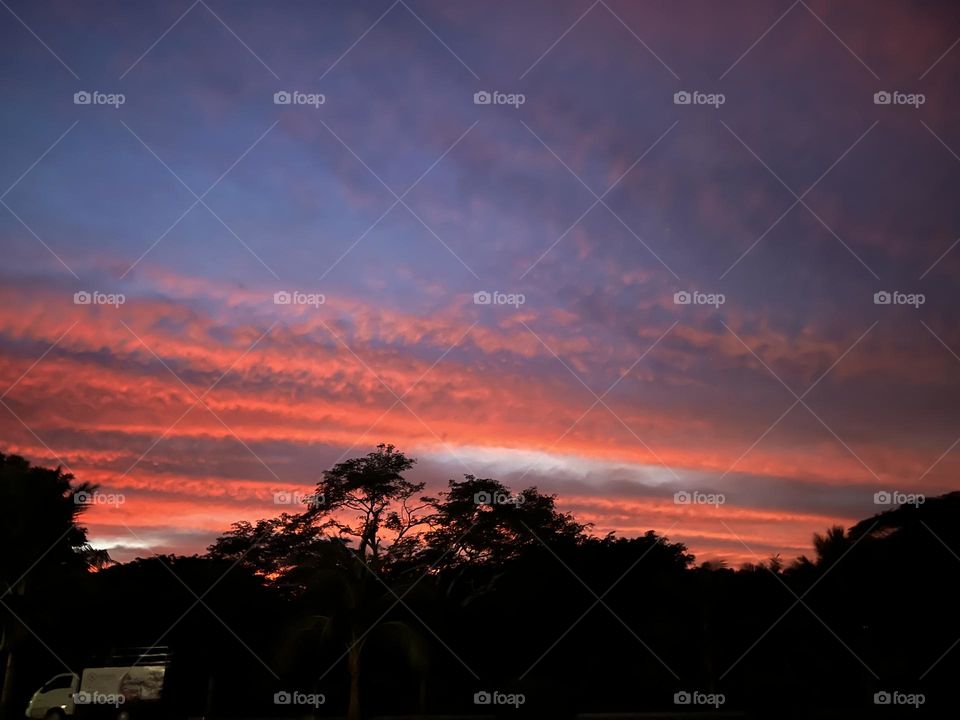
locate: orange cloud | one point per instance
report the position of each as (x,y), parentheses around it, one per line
(116,398)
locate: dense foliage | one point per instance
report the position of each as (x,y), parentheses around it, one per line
(388,601)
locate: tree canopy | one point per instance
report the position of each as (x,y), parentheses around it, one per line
(390,600)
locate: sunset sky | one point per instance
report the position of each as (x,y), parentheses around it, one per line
(398,198)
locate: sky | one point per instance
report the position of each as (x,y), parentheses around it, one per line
(587,201)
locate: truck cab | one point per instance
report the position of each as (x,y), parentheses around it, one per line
(54,701)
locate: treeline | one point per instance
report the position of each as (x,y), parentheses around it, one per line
(383,600)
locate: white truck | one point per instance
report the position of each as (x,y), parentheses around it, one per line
(118,690)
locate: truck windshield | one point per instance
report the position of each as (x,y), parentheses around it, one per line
(58,683)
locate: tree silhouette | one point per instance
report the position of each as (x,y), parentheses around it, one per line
(41,509)
(339,607)
(374,488)
(339,590)
(361,598)
(479,520)
(830,546)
